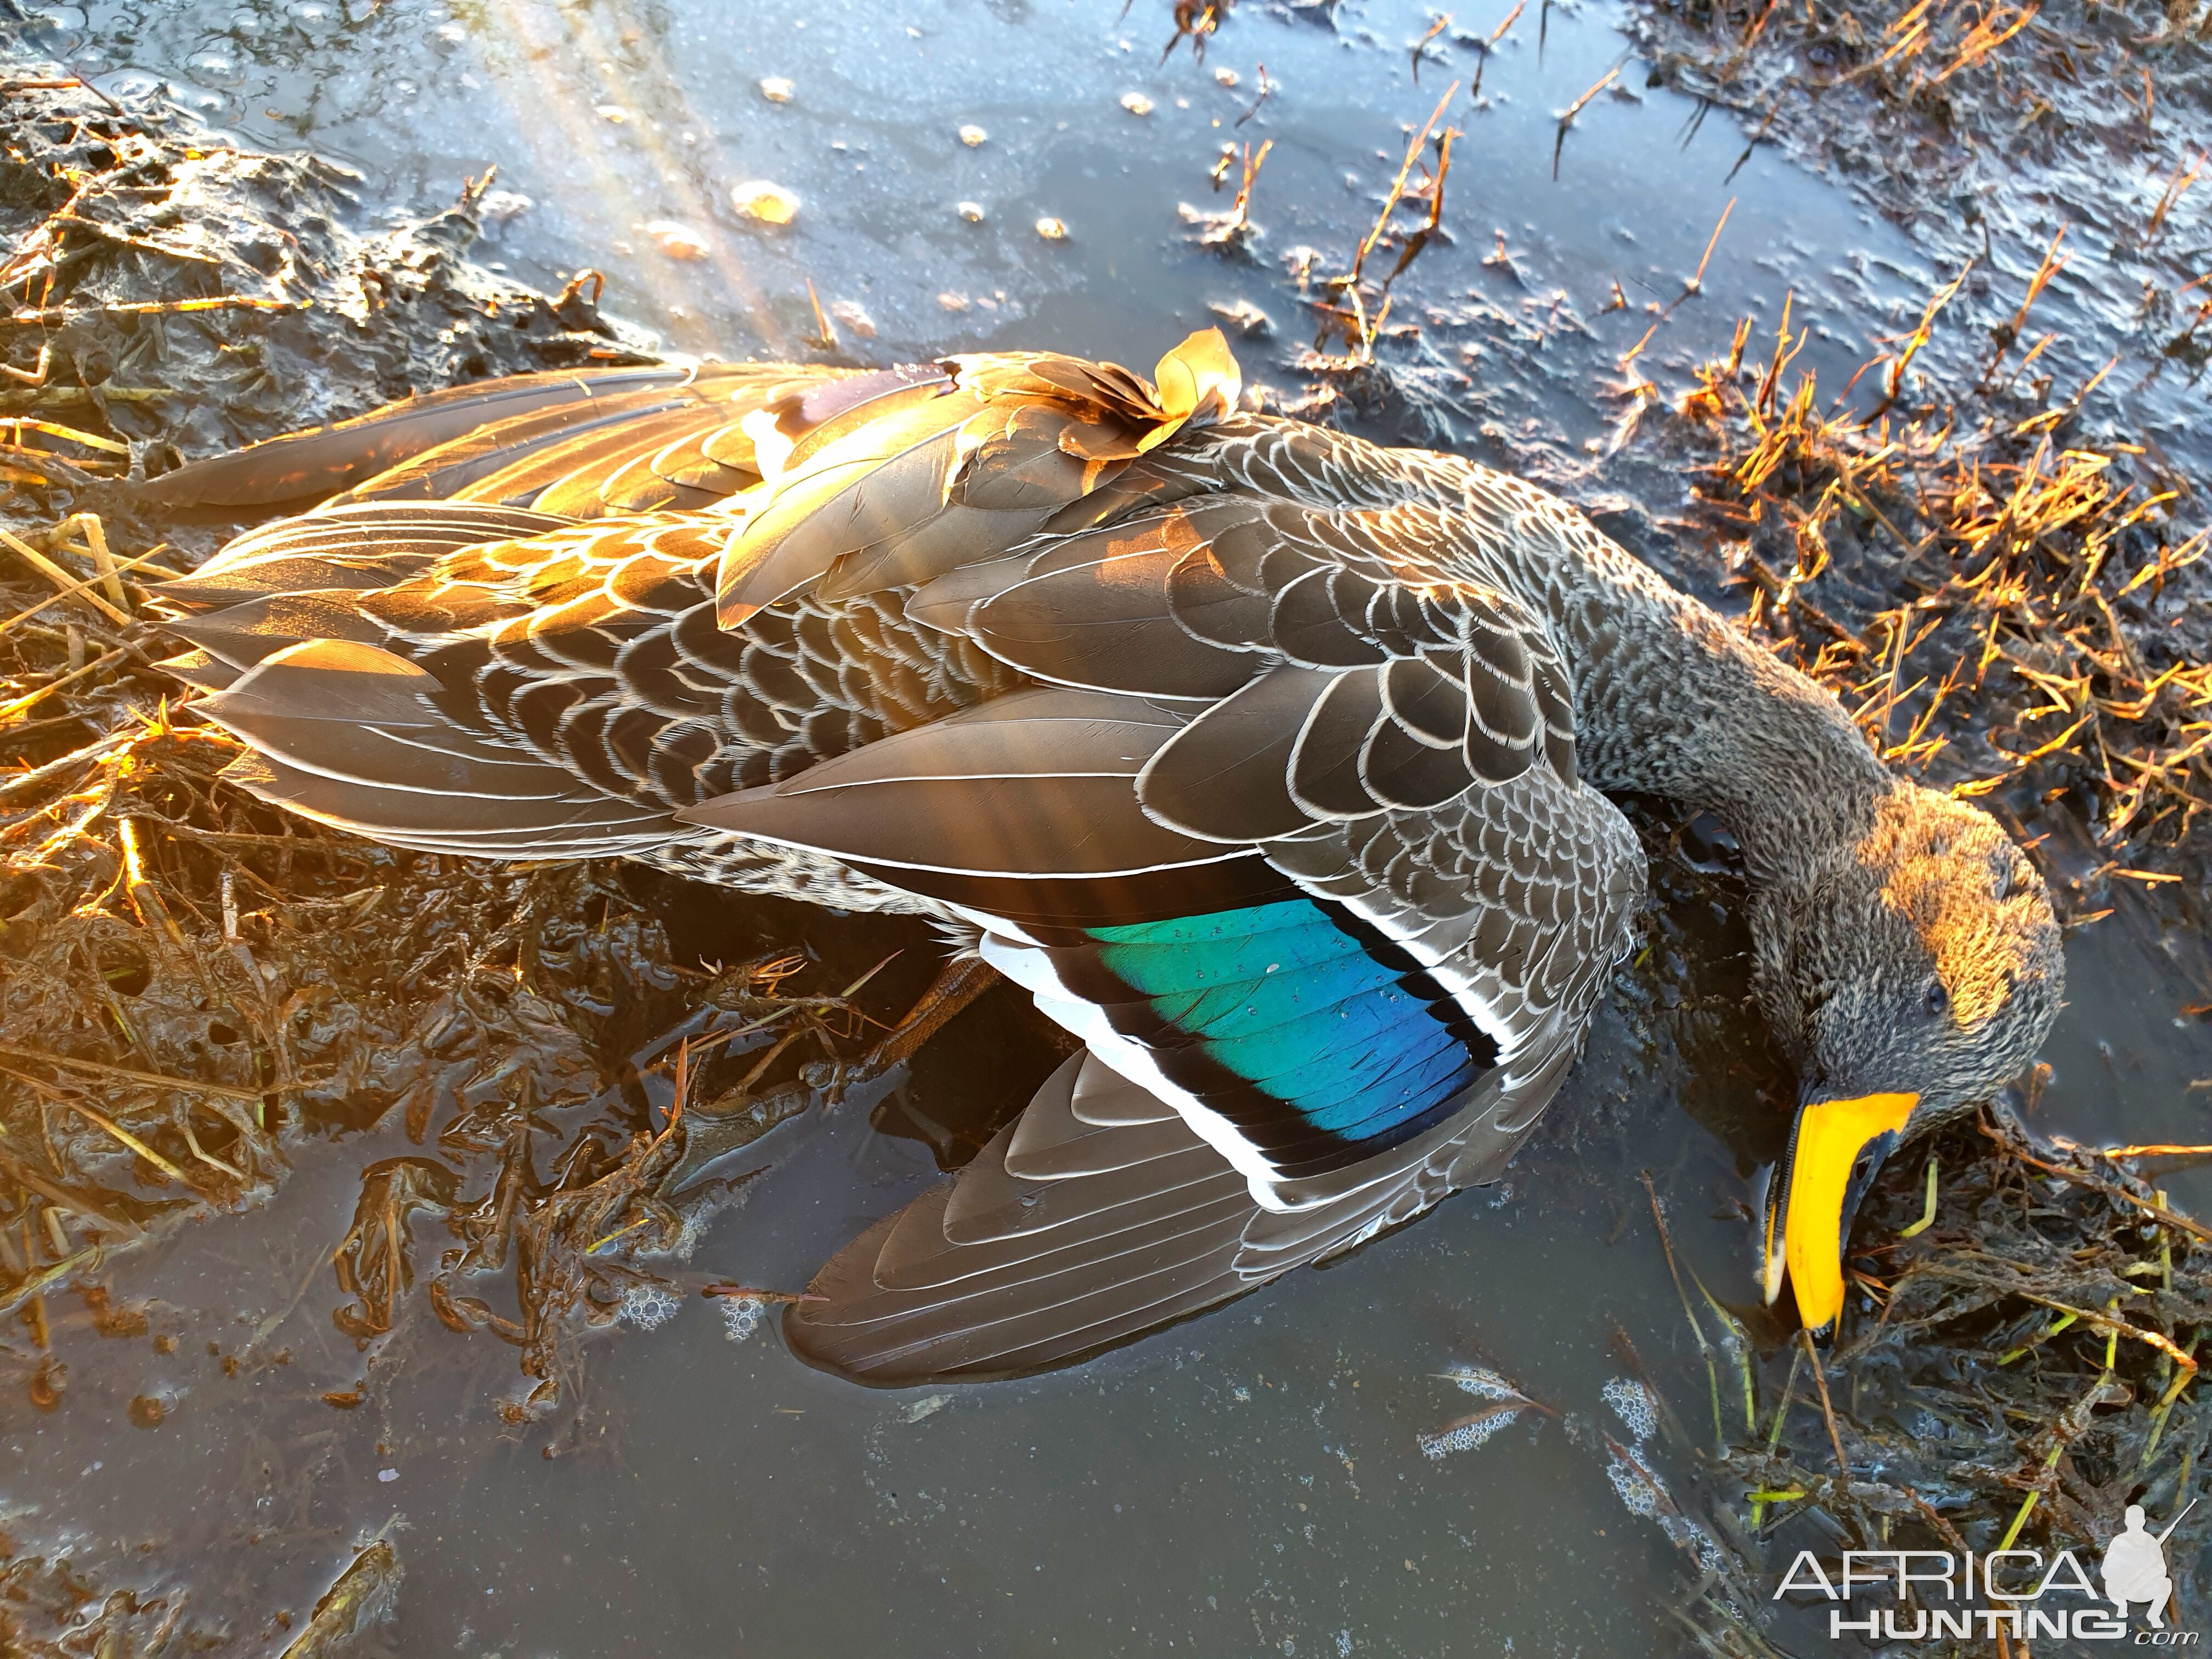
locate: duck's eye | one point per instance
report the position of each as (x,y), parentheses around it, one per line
(1936,1000)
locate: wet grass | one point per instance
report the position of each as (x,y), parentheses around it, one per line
(1916,75)
(1345,379)
(2003,599)
(2014,1369)
(1993,592)
(1986,130)
(2017,1361)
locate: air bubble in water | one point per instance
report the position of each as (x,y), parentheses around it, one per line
(741,1316)
(1632,1404)
(648,1306)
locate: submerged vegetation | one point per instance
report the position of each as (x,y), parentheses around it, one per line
(2015,1368)
(197,983)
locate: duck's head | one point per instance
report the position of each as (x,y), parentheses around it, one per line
(1909,975)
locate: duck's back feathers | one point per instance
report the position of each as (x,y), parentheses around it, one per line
(1247,681)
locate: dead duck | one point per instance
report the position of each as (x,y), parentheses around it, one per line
(1273,762)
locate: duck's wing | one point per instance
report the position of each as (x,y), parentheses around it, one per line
(1096,1216)
(1290,834)
(1099,1215)
(524,574)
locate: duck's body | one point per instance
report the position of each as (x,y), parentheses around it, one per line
(1269,760)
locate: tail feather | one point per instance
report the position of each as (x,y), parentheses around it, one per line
(201,669)
(484,464)
(480,824)
(359,548)
(320,463)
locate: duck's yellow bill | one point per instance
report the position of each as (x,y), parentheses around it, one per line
(1825,1173)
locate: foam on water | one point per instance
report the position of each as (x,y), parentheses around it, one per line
(1465,1436)
(648,1306)
(1632,1404)
(1642,1493)
(741,1316)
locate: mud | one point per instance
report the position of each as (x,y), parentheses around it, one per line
(1996,137)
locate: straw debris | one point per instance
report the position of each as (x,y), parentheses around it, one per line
(1352,312)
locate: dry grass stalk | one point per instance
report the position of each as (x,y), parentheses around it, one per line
(1697,283)
(2183,176)
(1437,28)
(1263,91)
(1491,44)
(2007,335)
(1567,115)
(1232,231)
(1363,307)
(1985,36)
(2026,572)
(825,336)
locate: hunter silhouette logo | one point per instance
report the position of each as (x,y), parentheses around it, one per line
(2023,1594)
(2135,1566)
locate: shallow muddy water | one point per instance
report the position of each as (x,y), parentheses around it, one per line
(1250,1481)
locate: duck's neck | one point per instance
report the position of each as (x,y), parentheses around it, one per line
(1671,700)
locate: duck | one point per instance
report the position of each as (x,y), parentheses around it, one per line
(1278,766)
